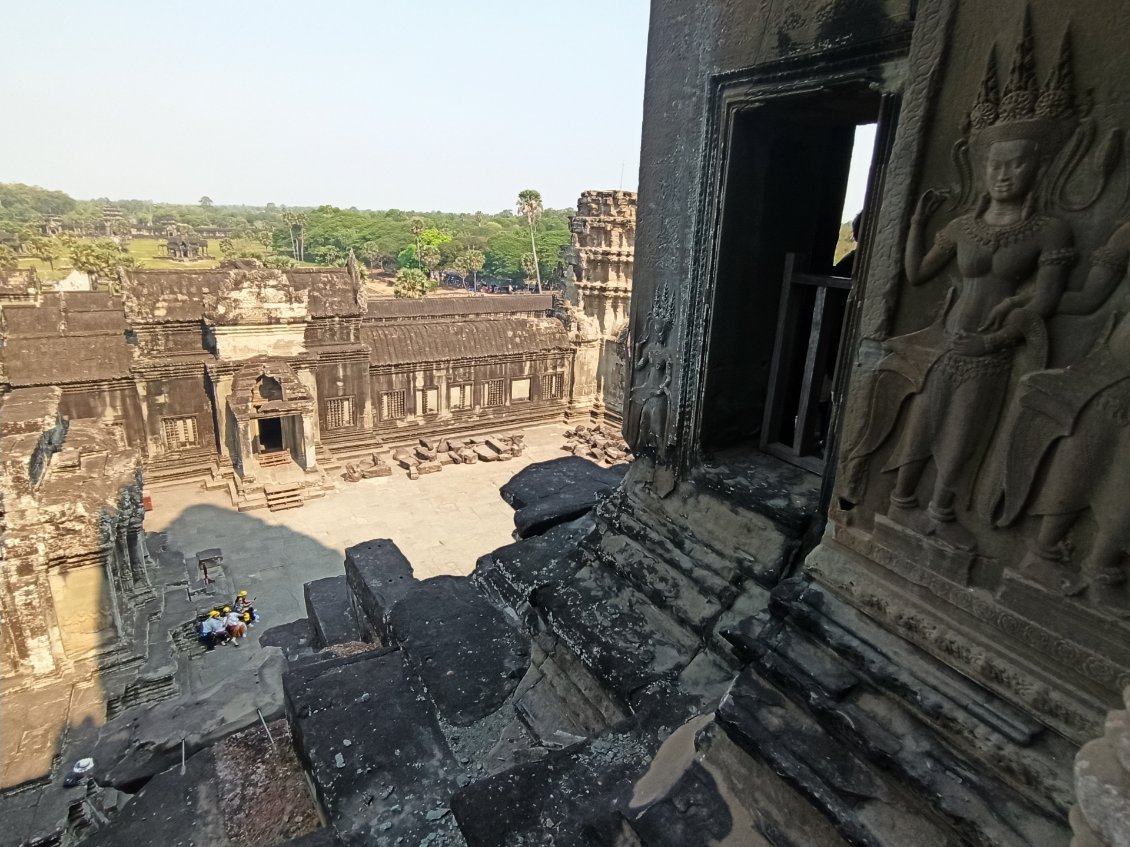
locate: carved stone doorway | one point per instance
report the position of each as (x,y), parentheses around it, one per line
(270,435)
(780,292)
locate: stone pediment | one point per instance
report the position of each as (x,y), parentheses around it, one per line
(267,388)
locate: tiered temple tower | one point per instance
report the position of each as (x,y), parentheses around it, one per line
(598,281)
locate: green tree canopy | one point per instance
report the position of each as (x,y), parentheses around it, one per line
(413,283)
(101,258)
(9,260)
(46,249)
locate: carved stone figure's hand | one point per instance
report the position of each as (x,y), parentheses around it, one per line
(929,203)
(998,315)
(971,344)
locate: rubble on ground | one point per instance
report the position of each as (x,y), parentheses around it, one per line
(598,443)
(431,455)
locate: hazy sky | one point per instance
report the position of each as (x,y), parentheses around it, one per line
(410,104)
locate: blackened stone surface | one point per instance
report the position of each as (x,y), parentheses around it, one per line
(331,615)
(295,639)
(787,495)
(515,571)
(370,739)
(826,676)
(544,479)
(619,636)
(692,815)
(378,575)
(469,657)
(174,810)
(550,493)
(572,794)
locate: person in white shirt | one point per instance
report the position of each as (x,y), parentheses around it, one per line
(234,622)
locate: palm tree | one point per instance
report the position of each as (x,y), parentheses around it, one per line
(291,220)
(301,219)
(416,225)
(529,204)
(475,261)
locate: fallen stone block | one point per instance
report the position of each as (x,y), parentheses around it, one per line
(445,458)
(496,445)
(485,453)
(429,467)
(377,471)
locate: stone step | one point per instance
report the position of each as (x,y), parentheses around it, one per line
(571,792)
(916,726)
(669,589)
(330,612)
(619,636)
(364,731)
(277,459)
(285,496)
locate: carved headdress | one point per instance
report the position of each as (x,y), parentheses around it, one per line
(1024,110)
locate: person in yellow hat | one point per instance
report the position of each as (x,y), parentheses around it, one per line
(235,625)
(213,631)
(244,605)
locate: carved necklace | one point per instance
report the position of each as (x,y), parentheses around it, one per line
(994,237)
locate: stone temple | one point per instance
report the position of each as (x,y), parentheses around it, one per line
(865,582)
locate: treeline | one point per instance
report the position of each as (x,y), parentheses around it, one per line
(388,239)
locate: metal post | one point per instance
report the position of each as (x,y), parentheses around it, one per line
(266,729)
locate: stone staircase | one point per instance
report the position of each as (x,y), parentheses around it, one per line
(289,495)
(276,459)
(616,681)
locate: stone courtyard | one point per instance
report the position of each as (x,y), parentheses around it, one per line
(443,523)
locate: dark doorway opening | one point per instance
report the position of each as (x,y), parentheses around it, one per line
(270,435)
(781,290)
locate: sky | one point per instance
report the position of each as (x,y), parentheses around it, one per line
(439,105)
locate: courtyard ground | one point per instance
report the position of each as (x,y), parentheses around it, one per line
(442,522)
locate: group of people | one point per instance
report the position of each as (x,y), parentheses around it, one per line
(228,624)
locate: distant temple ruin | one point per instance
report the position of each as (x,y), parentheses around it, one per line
(259,382)
(598,280)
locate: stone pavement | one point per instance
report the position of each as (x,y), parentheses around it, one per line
(442,522)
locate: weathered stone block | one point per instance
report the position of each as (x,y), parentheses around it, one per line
(330,612)
(378,576)
(380,765)
(469,657)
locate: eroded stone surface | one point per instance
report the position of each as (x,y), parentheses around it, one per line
(378,576)
(370,739)
(331,615)
(468,655)
(557,491)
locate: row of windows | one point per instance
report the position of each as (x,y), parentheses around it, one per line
(461,396)
(181,432)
